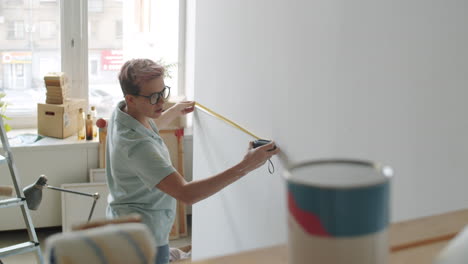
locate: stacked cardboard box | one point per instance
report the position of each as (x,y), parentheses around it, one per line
(57,87)
(59,120)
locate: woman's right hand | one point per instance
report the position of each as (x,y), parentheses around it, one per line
(256,157)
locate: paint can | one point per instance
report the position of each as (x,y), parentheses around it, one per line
(338,212)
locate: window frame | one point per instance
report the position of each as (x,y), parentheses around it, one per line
(74,54)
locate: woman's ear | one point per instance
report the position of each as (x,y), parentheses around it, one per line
(129,99)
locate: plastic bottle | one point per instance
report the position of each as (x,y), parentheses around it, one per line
(81,124)
(94,118)
(89,127)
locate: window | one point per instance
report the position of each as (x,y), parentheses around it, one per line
(25,55)
(143,29)
(19,70)
(15,30)
(45,36)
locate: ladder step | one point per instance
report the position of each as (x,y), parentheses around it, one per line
(2,159)
(12,202)
(18,249)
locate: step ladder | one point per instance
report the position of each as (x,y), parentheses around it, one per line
(19,200)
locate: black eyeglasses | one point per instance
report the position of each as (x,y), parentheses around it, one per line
(154,98)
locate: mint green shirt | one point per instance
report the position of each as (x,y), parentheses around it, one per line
(136,161)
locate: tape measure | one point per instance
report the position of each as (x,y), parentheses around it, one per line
(213,113)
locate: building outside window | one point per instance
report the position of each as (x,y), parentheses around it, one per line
(47,30)
(117,31)
(25,54)
(8,3)
(93,29)
(19,70)
(96,5)
(143,29)
(15,30)
(93,67)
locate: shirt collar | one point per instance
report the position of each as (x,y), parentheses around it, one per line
(131,123)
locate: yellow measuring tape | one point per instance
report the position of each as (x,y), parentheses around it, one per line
(213,113)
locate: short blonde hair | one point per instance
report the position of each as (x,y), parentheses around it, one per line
(136,72)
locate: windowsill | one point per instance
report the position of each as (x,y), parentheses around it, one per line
(47,142)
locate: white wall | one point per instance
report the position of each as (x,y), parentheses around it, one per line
(380,80)
(233,76)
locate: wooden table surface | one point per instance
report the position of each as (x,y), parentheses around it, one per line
(412,242)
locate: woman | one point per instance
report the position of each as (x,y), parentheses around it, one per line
(139,172)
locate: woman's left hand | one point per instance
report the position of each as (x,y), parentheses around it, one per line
(184,107)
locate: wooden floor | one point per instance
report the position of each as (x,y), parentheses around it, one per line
(8,238)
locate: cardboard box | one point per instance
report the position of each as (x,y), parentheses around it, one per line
(49,93)
(58,89)
(59,120)
(54,101)
(56,79)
